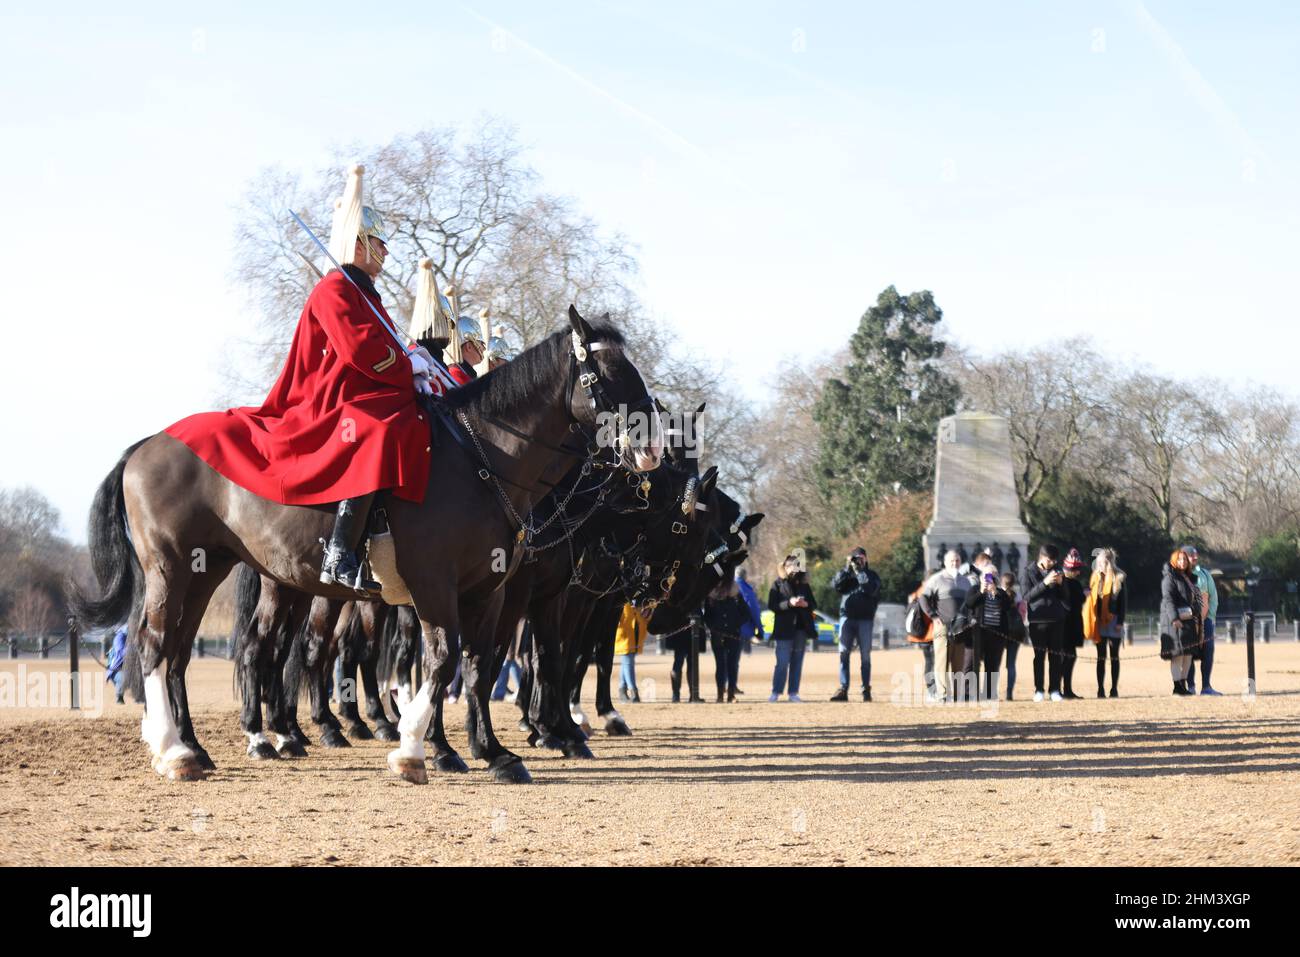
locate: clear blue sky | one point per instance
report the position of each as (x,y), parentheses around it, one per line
(1125,170)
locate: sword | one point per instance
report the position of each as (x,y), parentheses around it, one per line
(438,367)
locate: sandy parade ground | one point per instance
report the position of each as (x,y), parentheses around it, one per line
(1145,779)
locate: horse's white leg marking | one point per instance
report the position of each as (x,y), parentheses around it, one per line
(158,728)
(416,715)
(577,714)
(255,738)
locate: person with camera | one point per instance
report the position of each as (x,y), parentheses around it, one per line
(859,587)
(942,597)
(792,604)
(990,610)
(1180,619)
(1075,594)
(1042,586)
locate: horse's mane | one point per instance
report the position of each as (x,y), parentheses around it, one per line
(535,372)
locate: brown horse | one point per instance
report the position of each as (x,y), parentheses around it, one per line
(166,528)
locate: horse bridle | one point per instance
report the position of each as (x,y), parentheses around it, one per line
(585,375)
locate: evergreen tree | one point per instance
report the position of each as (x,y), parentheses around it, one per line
(878,422)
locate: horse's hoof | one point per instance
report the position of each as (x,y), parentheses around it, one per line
(205,762)
(301,739)
(616,727)
(384,731)
(577,749)
(262,751)
(509,769)
(450,762)
(333,738)
(524,725)
(290,748)
(182,769)
(362,732)
(408,769)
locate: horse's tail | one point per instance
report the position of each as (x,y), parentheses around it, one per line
(112,557)
(248,590)
(295,665)
(391,651)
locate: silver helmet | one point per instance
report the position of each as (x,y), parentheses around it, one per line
(470,330)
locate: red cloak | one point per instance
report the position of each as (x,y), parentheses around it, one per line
(340,421)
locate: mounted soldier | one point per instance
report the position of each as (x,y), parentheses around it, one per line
(342,421)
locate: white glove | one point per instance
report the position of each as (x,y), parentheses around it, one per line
(420,366)
(422,386)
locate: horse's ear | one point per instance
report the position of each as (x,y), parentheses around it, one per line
(579,324)
(750,521)
(707,479)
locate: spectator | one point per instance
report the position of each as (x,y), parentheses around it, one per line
(1103,616)
(860,588)
(501,691)
(943,596)
(990,611)
(1180,618)
(1208,610)
(724,612)
(116,658)
(920,632)
(1017,632)
(792,602)
(751,628)
(680,645)
(629,641)
(1044,595)
(1075,595)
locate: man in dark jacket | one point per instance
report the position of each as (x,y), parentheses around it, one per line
(859,588)
(1043,592)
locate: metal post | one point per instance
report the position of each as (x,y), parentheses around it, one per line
(13,647)
(1268,631)
(74,663)
(884,639)
(1250,650)
(1232,632)
(1128,634)
(45,647)
(199,649)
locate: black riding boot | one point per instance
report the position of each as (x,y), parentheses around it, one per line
(676,677)
(341,566)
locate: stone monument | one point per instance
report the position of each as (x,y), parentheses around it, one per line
(975,487)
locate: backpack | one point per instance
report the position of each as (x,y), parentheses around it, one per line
(917,622)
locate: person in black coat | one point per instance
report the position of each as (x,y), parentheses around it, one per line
(792,604)
(1180,619)
(1043,593)
(1073,639)
(724,614)
(989,609)
(859,587)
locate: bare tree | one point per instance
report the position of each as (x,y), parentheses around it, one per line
(1244,479)
(1158,424)
(32,613)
